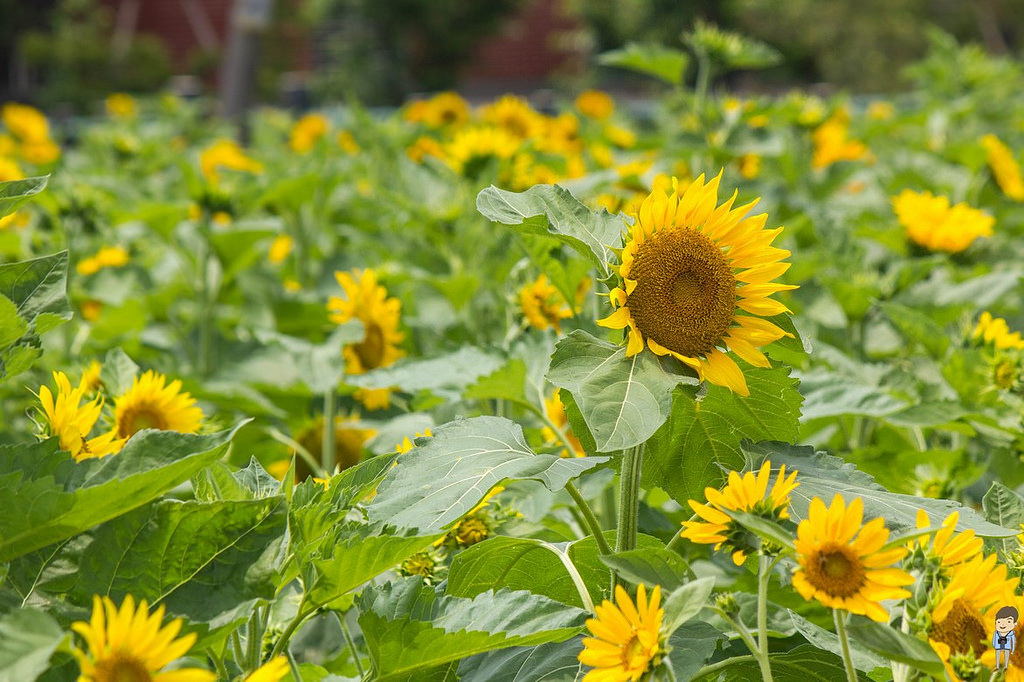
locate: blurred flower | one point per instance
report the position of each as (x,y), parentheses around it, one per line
(348,143)
(472,148)
(426,564)
(831,144)
(758,121)
(542,304)
(620,137)
(226,154)
(90,381)
(680,292)
(595,104)
(601,154)
(444,109)
(25,122)
(129,645)
(555,411)
(221,218)
(843,564)
(424,146)
(120,105)
(527,172)
(152,403)
(514,115)
(91,309)
(995,331)
(946,546)
(350,438)
(9,170)
(931,222)
(368,302)
(307,131)
(627,641)
(748,493)
(106,257)
(880,110)
(72,422)
(560,135)
(40,152)
(406,445)
(273,670)
(1004,167)
(750,166)
(279,248)
(812,111)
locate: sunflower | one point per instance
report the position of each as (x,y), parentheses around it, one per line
(307,131)
(750,166)
(689,271)
(226,154)
(933,223)
(472,148)
(25,122)
(960,617)
(91,381)
(746,494)
(72,422)
(445,109)
(831,144)
(129,644)
(555,411)
(1004,167)
(946,546)
(514,115)
(995,331)
(106,257)
(542,305)
(122,106)
(152,403)
(595,104)
(279,249)
(843,571)
(627,640)
(368,302)
(350,438)
(273,670)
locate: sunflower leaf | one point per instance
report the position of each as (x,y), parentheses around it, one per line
(27,640)
(477,454)
(685,602)
(891,644)
(664,63)
(804,663)
(411,627)
(552,210)
(700,443)
(1005,508)
(551,662)
(623,400)
(762,528)
(14,193)
(447,373)
(651,566)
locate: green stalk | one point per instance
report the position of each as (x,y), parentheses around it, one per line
(844,640)
(588,515)
(629,498)
(763,577)
(282,641)
(327,462)
(712,668)
(703,83)
(351,644)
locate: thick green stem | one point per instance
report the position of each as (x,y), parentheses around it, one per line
(712,668)
(844,641)
(703,83)
(252,641)
(204,359)
(676,539)
(629,498)
(327,459)
(763,577)
(282,641)
(588,515)
(218,663)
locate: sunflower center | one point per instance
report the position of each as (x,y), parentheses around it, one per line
(634,655)
(138,417)
(371,349)
(835,570)
(962,629)
(121,667)
(685,295)
(471,531)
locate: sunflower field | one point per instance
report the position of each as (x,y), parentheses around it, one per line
(693,388)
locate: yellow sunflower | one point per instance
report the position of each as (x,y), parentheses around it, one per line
(555,411)
(152,403)
(407,444)
(307,131)
(128,644)
(25,122)
(120,105)
(226,154)
(832,145)
(843,564)
(945,545)
(279,249)
(995,331)
(933,223)
(445,109)
(472,148)
(627,641)
(960,618)
(543,306)
(91,382)
(1004,167)
(746,494)
(368,302)
(72,422)
(350,437)
(690,270)
(514,115)
(595,104)
(106,257)
(273,670)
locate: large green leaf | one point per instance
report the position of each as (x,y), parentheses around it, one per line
(1005,508)
(700,443)
(27,640)
(893,645)
(14,193)
(829,641)
(552,662)
(552,210)
(623,400)
(829,394)
(822,475)
(444,477)
(362,552)
(661,62)
(202,559)
(61,497)
(804,663)
(692,645)
(451,372)
(410,627)
(319,366)
(650,566)
(33,300)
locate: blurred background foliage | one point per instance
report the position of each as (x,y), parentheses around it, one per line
(66,51)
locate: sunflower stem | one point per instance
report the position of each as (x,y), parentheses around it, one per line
(844,641)
(764,575)
(629,498)
(676,539)
(351,644)
(252,646)
(588,515)
(712,668)
(327,450)
(218,663)
(289,630)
